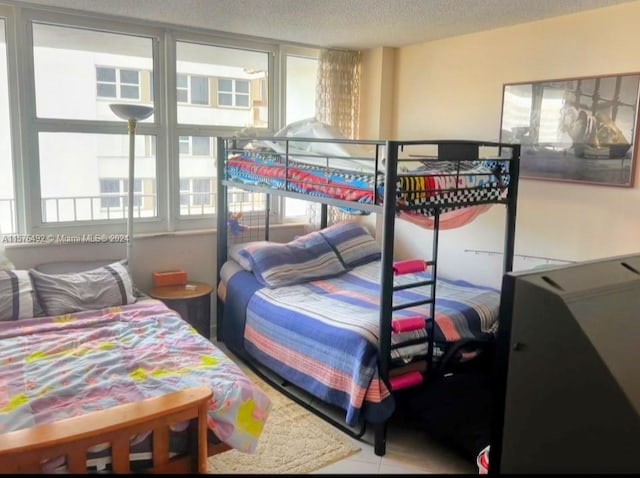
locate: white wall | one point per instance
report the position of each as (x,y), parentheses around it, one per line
(453,89)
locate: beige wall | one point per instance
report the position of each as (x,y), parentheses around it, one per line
(453,89)
(376,98)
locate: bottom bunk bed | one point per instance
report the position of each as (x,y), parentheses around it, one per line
(131,387)
(297,311)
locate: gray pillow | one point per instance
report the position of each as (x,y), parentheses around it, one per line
(67,267)
(106,286)
(17,296)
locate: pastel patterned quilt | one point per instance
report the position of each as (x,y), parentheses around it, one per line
(53,368)
(322,335)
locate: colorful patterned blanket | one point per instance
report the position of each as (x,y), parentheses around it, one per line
(449,185)
(59,367)
(322,335)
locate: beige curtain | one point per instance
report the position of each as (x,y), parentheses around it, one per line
(337,104)
(338,90)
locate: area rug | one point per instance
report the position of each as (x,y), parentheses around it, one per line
(293,441)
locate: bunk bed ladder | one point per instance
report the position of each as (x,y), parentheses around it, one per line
(431,325)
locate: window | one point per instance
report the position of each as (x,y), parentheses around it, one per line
(197,175)
(233,93)
(195,145)
(110,193)
(7,201)
(184,145)
(114,193)
(196,192)
(197,163)
(118,83)
(238,73)
(185,192)
(74,157)
(192,89)
(200,146)
(301,74)
(73,150)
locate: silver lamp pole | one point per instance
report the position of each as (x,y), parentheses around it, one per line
(132,114)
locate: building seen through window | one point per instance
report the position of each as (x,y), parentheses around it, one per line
(76,162)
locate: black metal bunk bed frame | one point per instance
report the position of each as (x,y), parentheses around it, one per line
(453,149)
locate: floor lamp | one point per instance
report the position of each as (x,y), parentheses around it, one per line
(133,114)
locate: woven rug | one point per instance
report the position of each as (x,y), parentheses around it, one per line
(293,441)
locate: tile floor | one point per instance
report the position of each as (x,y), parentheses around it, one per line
(409,451)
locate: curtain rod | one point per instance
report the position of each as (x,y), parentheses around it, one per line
(523,256)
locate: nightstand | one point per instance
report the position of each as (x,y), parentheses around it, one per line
(193,304)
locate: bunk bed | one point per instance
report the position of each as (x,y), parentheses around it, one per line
(409,179)
(125,387)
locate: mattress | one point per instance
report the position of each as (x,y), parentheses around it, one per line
(65,366)
(450,185)
(322,335)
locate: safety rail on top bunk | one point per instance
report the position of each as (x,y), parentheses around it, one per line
(370,199)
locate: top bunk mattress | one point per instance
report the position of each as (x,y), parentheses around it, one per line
(421,184)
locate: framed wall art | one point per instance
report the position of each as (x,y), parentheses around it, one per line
(578,129)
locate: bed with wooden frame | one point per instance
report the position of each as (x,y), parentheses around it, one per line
(128,388)
(23,451)
(407,179)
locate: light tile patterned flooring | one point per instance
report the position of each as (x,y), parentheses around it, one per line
(409,451)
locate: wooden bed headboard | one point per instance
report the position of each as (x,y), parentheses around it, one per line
(23,451)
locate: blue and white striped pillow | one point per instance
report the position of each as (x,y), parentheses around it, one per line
(307,258)
(353,243)
(18,298)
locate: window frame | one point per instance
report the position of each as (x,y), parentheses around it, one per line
(207,221)
(189,89)
(192,200)
(164,128)
(234,93)
(123,188)
(189,142)
(118,84)
(287,51)
(33,125)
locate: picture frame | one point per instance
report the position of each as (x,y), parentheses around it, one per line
(581,130)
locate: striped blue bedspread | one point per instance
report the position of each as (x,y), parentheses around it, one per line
(322,336)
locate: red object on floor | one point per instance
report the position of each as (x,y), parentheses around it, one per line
(483,461)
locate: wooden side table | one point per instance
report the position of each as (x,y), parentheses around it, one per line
(192,303)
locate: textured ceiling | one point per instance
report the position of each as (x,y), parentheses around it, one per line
(352,24)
